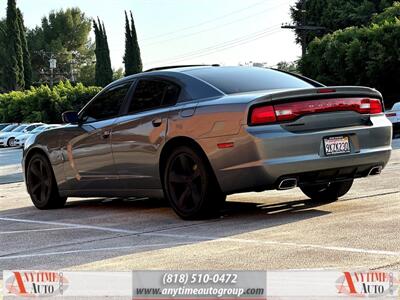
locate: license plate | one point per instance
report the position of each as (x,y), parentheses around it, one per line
(336,145)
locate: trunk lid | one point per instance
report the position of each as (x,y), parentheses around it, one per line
(318,109)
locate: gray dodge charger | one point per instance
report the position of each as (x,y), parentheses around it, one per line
(195,134)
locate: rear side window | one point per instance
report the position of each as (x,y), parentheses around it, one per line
(107,105)
(153,93)
(232,80)
(31,127)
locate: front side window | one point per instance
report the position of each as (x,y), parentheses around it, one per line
(153,93)
(107,105)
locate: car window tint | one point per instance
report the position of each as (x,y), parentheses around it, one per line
(31,127)
(20,128)
(231,80)
(9,128)
(171,94)
(107,104)
(153,93)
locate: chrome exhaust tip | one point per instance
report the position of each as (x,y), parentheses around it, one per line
(287,184)
(375,171)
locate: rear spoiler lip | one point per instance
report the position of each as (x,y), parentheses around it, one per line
(312,93)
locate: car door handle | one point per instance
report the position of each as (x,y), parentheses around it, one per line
(106,134)
(156,122)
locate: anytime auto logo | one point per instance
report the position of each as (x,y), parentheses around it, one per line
(35,283)
(367,284)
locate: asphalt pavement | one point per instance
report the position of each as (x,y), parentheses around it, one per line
(257,231)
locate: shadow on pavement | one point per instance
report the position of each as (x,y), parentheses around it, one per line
(153,224)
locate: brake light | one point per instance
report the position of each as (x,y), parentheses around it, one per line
(375,106)
(326,91)
(263,115)
(294,110)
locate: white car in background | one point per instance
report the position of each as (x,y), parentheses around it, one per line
(20,140)
(394,116)
(7,139)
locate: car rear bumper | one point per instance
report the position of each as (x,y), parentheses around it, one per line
(263,155)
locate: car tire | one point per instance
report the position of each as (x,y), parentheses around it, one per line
(190,185)
(41,184)
(11,142)
(327,192)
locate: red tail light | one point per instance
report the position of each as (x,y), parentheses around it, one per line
(263,114)
(291,111)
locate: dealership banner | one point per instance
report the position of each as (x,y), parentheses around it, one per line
(199,285)
(66,285)
(153,285)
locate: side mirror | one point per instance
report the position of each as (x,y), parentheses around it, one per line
(70,117)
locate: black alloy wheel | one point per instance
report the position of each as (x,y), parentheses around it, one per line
(328,192)
(41,184)
(190,185)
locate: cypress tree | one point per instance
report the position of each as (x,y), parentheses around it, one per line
(14,69)
(25,51)
(103,73)
(108,75)
(136,49)
(132,57)
(128,57)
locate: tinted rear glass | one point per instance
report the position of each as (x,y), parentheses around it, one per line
(232,80)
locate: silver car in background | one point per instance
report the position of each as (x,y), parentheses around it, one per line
(198,133)
(7,139)
(394,116)
(21,139)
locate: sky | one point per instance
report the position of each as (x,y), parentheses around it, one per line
(172,32)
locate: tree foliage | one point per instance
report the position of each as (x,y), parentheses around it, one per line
(368,56)
(333,15)
(104,72)
(25,51)
(390,14)
(132,57)
(288,66)
(3,30)
(63,34)
(13,66)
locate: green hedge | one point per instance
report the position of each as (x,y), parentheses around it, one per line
(359,56)
(43,104)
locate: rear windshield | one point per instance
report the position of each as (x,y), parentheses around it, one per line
(232,80)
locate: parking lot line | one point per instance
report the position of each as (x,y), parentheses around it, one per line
(196,238)
(37,230)
(90,250)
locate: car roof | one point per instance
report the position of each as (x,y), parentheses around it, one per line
(168,71)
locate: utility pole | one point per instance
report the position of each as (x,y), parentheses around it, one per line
(53,65)
(303,28)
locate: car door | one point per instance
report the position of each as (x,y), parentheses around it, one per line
(89,162)
(137,137)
